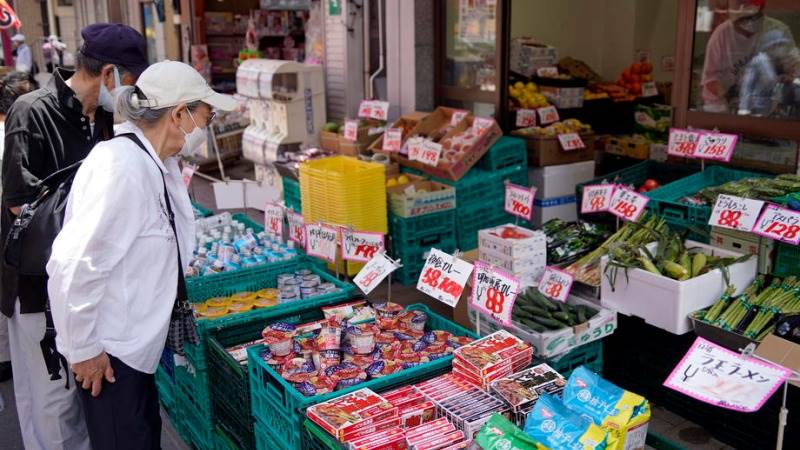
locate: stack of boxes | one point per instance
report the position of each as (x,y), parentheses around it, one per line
(520,251)
(490,358)
(555,190)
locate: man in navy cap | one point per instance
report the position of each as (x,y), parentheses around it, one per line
(47,130)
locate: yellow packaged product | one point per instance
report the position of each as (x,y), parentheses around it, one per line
(246,297)
(214,312)
(263,302)
(217,302)
(267,293)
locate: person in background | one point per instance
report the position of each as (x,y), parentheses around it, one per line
(769,73)
(116,267)
(47,130)
(12,86)
(24,59)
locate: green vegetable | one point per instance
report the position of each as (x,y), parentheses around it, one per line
(549,323)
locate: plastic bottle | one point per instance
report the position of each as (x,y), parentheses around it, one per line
(234,263)
(247,259)
(258,255)
(217,267)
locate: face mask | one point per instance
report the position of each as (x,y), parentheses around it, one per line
(194,139)
(106,99)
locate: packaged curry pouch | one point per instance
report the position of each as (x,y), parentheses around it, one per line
(498,433)
(553,425)
(624,415)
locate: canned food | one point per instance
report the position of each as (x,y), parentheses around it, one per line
(302,272)
(313,278)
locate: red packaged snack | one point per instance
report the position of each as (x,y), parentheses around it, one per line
(376,439)
(451,438)
(376,427)
(406,400)
(438,426)
(398,393)
(459,446)
(351,412)
(396,443)
(417,414)
(492,353)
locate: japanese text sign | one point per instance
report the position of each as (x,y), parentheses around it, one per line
(361,246)
(597,198)
(443,277)
(481,124)
(430,153)
(371,275)
(548,114)
(393,140)
(415,146)
(682,142)
(649,89)
(717,146)
(321,241)
(628,205)
(571,141)
(736,213)
(526,117)
(780,224)
(494,292)
(556,284)
(723,378)
(457,117)
(273,219)
(297,228)
(373,109)
(351,130)
(519,200)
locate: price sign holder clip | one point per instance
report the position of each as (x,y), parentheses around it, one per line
(397,264)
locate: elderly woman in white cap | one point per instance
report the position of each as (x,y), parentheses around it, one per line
(116,267)
(24,60)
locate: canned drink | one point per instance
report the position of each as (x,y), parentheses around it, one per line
(312,279)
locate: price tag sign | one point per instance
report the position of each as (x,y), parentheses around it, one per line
(628,205)
(780,224)
(717,146)
(548,114)
(365,109)
(571,141)
(415,146)
(297,228)
(393,140)
(481,124)
(443,277)
(723,378)
(380,110)
(273,219)
(321,241)
(597,198)
(494,292)
(526,117)
(649,89)
(457,117)
(547,72)
(519,200)
(361,246)
(430,153)
(682,143)
(371,275)
(351,130)
(556,284)
(187,173)
(736,213)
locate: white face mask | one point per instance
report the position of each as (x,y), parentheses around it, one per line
(194,139)
(106,99)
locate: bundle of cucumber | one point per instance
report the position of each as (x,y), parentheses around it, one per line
(534,311)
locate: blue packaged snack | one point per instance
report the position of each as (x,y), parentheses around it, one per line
(429,337)
(375,368)
(266,353)
(419,346)
(306,389)
(553,425)
(283,326)
(403,336)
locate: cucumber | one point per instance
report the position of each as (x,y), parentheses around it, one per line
(535,311)
(549,323)
(590,313)
(534,326)
(562,316)
(581,314)
(562,306)
(543,302)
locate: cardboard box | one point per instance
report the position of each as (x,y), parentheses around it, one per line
(420,197)
(544,151)
(746,243)
(527,55)
(407,122)
(533,243)
(781,352)
(329,141)
(560,180)
(352,412)
(564,97)
(637,147)
(666,303)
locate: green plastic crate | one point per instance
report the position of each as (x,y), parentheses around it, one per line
(506,152)
(193,405)
(787,259)
(280,409)
(166,390)
(422,230)
(224,442)
(201,211)
(589,355)
(319,439)
(291,194)
(413,260)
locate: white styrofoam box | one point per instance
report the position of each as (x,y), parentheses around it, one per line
(535,242)
(528,270)
(554,208)
(527,55)
(556,342)
(560,181)
(666,303)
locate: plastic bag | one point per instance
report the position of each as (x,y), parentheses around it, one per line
(553,425)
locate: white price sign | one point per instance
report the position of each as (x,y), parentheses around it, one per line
(415,146)
(628,205)
(723,378)
(716,146)
(393,140)
(351,130)
(736,213)
(494,291)
(682,143)
(371,275)
(273,219)
(373,109)
(649,89)
(519,200)
(556,284)
(780,224)
(548,114)
(321,241)
(571,141)
(481,124)
(443,277)
(187,173)
(526,117)
(361,246)
(457,117)
(430,154)
(547,72)
(297,228)
(365,109)
(597,198)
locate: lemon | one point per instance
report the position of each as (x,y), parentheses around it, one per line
(531,87)
(391,182)
(403,179)
(519,85)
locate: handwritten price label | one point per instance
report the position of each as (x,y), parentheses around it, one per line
(717,146)
(547,72)
(628,205)
(682,143)
(571,141)
(457,117)
(556,284)
(649,89)
(187,173)
(443,277)
(481,124)
(415,146)
(361,246)
(380,110)
(365,109)
(393,140)
(430,153)
(736,213)
(597,198)
(494,292)
(273,219)
(519,200)
(321,241)
(351,130)
(548,114)
(780,224)
(526,117)
(297,228)
(371,275)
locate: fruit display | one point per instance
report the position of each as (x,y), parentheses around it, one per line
(636,74)
(566,241)
(577,69)
(554,129)
(397,181)
(754,188)
(331,127)
(648,185)
(527,95)
(594,95)
(615,91)
(533,311)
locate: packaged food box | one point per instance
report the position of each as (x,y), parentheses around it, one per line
(513,241)
(420,196)
(391,439)
(351,412)
(521,390)
(492,353)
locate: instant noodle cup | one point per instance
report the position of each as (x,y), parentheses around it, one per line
(388,309)
(414,321)
(218,302)
(214,312)
(263,302)
(236,307)
(389,323)
(277,362)
(437,350)
(269,293)
(330,336)
(297,365)
(325,359)
(382,368)
(362,338)
(244,297)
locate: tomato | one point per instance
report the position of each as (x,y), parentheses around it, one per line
(650,184)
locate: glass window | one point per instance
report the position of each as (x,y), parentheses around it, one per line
(470,61)
(746,61)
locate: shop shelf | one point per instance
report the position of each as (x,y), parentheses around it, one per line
(421,230)
(506,152)
(787,260)
(291,194)
(280,409)
(589,355)
(201,211)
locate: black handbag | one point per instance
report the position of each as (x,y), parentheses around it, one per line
(182,327)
